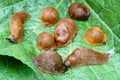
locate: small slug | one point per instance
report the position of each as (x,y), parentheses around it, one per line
(50,62)
(95,36)
(49,16)
(65,32)
(85,57)
(78,11)
(45,41)
(16,26)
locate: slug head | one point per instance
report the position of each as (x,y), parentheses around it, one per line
(11,40)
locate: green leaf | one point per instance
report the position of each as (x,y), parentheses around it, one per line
(12,69)
(102,13)
(4,3)
(108,12)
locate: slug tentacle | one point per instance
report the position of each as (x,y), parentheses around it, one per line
(11,40)
(111,52)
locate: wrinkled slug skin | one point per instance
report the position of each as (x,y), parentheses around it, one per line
(84,57)
(65,32)
(16,26)
(50,62)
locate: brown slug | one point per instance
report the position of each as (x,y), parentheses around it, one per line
(85,57)
(65,32)
(95,36)
(45,41)
(78,11)
(50,62)
(16,26)
(49,16)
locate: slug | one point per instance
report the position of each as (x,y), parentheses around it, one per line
(65,32)
(49,16)
(45,41)
(16,26)
(78,11)
(95,36)
(85,57)
(50,62)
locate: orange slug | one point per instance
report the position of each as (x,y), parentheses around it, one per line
(16,26)
(50,62)
(49,16)
(45,41)
(65,32)
(95,36)
(85,57)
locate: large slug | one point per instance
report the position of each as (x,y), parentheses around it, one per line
(84,57)
(50,62)
(16,26)
(65,32)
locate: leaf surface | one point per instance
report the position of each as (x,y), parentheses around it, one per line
(102,14)
(12,69)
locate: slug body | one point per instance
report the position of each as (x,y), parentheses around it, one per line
(50,62)
(78,11)
(49,16)
(95,36)
(84,57)
(65,32)
(45,41)
(16,26)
